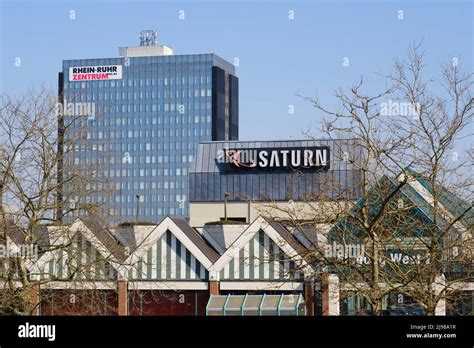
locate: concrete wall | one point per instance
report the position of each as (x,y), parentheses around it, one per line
(143,51)
(204,212)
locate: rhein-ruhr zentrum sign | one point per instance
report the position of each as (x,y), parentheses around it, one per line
(93,73)
(276,159)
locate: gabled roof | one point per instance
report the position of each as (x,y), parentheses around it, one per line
(126,236)
(190,238)
(419,193)
(277,232)
(106,238)
(454,204)
(311,236)
(221,236)
(288,237)
(197,240)
(14,232)
(98,236)
(422,204)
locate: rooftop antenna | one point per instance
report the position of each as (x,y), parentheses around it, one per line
(138,208)
(148,38)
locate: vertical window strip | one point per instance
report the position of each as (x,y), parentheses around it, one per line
(158,259)
(188,264)
(60,264)
(173,257)
(164,249)
(266,261)
(193,267)
(252,259)
(168,255)
(261,256)
(241,259)
(232,271)
(149,263)
(182,257)
(198,269)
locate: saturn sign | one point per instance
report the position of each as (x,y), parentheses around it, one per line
(296,158)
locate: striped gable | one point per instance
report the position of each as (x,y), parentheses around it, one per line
(265,251)
(168,259)
(78,260)
(260,259)
(173,251)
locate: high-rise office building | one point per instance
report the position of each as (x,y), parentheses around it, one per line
(135,120)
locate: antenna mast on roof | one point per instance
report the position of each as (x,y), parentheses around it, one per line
(148,38)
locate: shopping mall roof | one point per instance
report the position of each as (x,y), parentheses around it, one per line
(256,305)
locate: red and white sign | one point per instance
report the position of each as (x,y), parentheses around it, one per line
(93,73)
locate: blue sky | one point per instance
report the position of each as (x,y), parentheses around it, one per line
(279,57)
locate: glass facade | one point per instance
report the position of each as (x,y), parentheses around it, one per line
(141,130)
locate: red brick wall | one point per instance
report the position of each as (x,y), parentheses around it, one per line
(71,302)
(213,287)
(122,298)
(168,302)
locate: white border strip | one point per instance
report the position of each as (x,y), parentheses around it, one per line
(153,285)
(283,286)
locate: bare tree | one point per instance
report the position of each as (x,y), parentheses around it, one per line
(414,216)
(31,154)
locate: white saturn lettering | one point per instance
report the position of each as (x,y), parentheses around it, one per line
(37,331)
(275,158)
